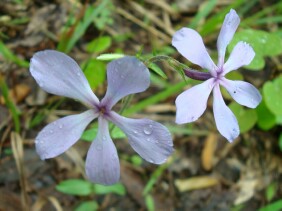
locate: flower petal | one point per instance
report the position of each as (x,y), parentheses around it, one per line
(60,135)
(125,76)
(242,54)
(192,103)
(57,73)
(225,120)
(102,163)
(242,92)
(190,44)
(230,24)
(150,139)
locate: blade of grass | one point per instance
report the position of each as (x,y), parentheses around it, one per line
(172,90)
(8,54)
(9,103)
(204,12)
(72,35)
(211,24)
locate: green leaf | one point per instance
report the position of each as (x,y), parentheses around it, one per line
(110,56)
(75,187)
(280,142)
(275,206)
(88,206)
(90,134)
(272,95)
(246,118)
(117,133)
(150,204)
(116,188)
(136,160)
(99,44)
(271,191)
(263,43)
(95,72)
(157,69)
(266,119)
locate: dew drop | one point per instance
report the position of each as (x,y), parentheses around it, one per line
(99,147)
(51,131)
(60,126)
(151,160)
(149,140)
(148,129)
(135,131)
(78,74)
(114,156)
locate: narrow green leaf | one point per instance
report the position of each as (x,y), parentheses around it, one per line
(118,189)
(202,13)
(157,70)
(110,56)
(76,187)
(170,91)
(99,44)
(10,104)
(9,55)
(150,204)
(87,206)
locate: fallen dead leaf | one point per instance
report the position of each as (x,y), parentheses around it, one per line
(208,151)
(194,183)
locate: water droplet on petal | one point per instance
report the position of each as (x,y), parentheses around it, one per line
(135,131)
(114,156)
(60,126)
(148,129)
(51,131)
(78,74)
(99,147)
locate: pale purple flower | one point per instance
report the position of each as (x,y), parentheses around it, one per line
(192,103)
(59,74)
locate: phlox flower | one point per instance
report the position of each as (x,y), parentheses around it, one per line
(57,73)
(192,103)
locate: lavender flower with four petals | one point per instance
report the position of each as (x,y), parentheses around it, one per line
(59,74)
(192,103)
